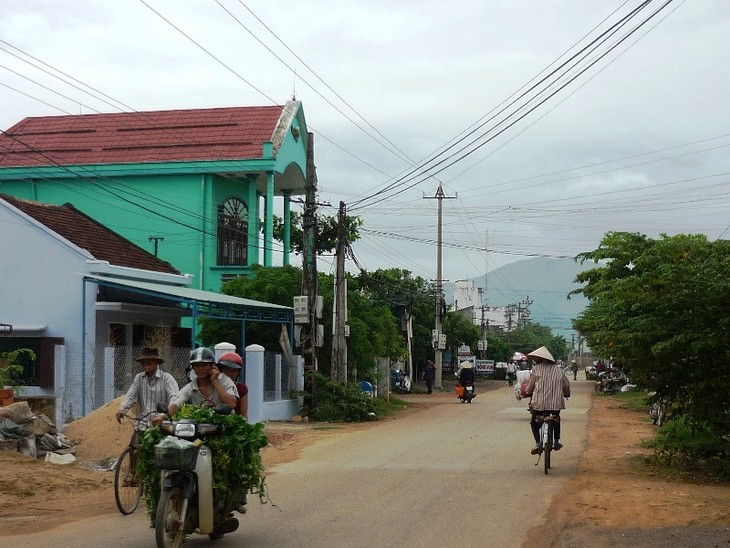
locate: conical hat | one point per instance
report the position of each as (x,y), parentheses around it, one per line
(542,352)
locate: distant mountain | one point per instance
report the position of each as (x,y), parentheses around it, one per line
(545,282)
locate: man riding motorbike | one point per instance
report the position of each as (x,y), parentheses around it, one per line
(208,386)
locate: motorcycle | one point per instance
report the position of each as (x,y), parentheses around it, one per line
(466,394)
(657,410)
(187,502)
(403,383)
(610,382)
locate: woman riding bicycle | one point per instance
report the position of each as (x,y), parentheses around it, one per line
(548,389)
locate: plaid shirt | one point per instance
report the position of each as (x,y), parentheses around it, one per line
(548,386)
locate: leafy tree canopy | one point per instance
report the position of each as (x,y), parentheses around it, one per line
(326,232)
(662,309)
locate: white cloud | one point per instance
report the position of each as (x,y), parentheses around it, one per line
(421,73)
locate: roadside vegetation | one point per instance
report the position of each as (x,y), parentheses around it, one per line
(378,304)
(660,309)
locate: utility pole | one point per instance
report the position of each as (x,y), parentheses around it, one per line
(523,312)
(440,342)
(339,310)
(485,328)
(309,335)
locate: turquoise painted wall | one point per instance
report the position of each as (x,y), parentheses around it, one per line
(182,209)
(177,201)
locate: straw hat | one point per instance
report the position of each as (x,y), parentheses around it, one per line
(466,365)
(543,353)
(150,354)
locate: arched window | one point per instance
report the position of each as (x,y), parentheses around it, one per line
(232,233)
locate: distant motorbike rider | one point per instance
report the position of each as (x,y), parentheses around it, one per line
(466,374)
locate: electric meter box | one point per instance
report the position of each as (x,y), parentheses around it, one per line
(301,309)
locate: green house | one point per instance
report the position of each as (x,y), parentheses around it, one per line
(198,188)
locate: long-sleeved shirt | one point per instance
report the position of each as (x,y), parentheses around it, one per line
(147,393)
(548,386)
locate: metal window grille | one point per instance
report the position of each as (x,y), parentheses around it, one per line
(232,240)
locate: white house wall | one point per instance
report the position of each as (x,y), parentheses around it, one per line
(42,284)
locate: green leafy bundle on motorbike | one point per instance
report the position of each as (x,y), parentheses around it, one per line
(237,462)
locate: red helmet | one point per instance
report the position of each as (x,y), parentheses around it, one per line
(231,359)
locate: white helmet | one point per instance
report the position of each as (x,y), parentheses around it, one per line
(202,355)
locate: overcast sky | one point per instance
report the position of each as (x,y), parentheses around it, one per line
(637,142)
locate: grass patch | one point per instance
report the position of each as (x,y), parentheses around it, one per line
(633,399)
(691,453)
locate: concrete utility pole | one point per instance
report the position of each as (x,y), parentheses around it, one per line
(309,262)
(440,305)
(523,312)
(339,310)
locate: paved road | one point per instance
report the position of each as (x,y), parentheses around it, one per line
(450,475)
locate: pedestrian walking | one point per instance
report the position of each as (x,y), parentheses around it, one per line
(574,369)
(429,374)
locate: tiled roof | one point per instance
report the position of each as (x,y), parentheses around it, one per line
(235,133)
(86,233)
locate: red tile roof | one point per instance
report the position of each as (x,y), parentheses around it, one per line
(234,133)
(86,233)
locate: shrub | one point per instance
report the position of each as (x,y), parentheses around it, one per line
(330,401)
(692,450)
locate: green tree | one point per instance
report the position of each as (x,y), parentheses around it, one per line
(532,336)
(373,328)
(270,285)
(662,309)
(326,232)
(404,295)
(460,331)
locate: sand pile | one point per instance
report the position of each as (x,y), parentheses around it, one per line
(97,436)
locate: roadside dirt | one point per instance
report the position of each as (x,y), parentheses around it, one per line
(613,500)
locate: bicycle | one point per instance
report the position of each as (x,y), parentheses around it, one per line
(547,434)
(128,487)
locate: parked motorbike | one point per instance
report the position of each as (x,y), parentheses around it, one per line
(610,382)
(466,394)
(403,382)
(657,409)
(187,502)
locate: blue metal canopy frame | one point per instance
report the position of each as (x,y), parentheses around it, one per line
(201,304)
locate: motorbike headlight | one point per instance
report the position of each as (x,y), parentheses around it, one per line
(185,430)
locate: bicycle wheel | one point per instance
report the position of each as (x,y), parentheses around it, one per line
(548,447)
(127,486)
